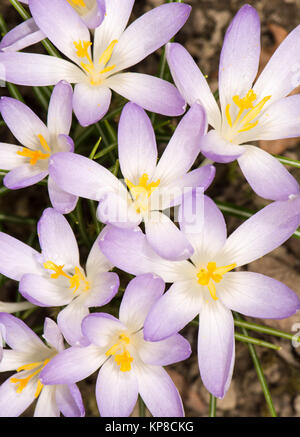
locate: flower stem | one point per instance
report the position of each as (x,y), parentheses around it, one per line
(212,405)
(142,407)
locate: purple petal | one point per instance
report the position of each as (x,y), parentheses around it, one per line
(262,233)
(46,404)
(183,147)
(216,148)
(168,18)
(9,157)
(216,348)
(45,292)
(159,392)
(24,176)
(90,103)
(16,258)
(69,321)
(173,311)
(166,239)
(191,82)
(240,55)
(97,261)
(52,335)
(62,201)
(57,239)
(13,404)
(95,17)
(19,336)
(149,92)
(116,209)
(69,401)
(116,391)
(139,297)
(104,287)
(39,70)
(165,352)
(266,175)
(60,109)
(100,327)
(72,365)
(257,295)
(21,36)
(137,146)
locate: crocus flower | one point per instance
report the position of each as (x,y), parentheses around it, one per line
(206,285)
(29,164)
(29,356)
(129,364)
(55,277)
(27,33)
(248,112)
(152,187)
(114,50)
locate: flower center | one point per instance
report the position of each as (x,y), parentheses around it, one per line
(95,72)
(22,382)
(36,155)
(77,280)
(247,122)
(142,192)
(121,354)
(212,274)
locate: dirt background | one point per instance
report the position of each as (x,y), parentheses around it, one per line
(203,36)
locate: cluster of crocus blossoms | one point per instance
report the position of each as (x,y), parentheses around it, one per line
(196,259)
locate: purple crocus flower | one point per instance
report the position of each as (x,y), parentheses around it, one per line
(114,50)
(129,364)
(55,277)
(29,164)
(248,112)
(29,356)
(206,285)
(92,13)
(152,187)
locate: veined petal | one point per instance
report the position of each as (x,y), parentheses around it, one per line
(57,239)
(139,297)
(13,359)
(159,392)
(69,400)
(216,347)
(94,17)
(51,19)
(90,102)
(165,352)
(139,40)
(72,365)
(204,225)
(62,201)
(39,70)
(183,147)
(12,404)
(240,55)
(257,295)
(43,291)
(261,233)
(53,335)
(23,123)
(60,109)
(216,148)
(137,143)
(23,176)
(21,36)
(69,321)
(17,258)
(97,261)
(149,92)
(281,74)
(266,175)
(130,251)
(174,310)
(104,287)
(166,239)
(113,25)
(191,82)
(116,391)
(9,157)
(81,176)
(46,405)
(100,327)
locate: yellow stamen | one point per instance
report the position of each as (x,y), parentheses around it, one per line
(82,48)
(36,155)
(75,281)
(123,359)
(213,273)
(22,382)
(77,3)
(106,55)
(142,191)
(245,104)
